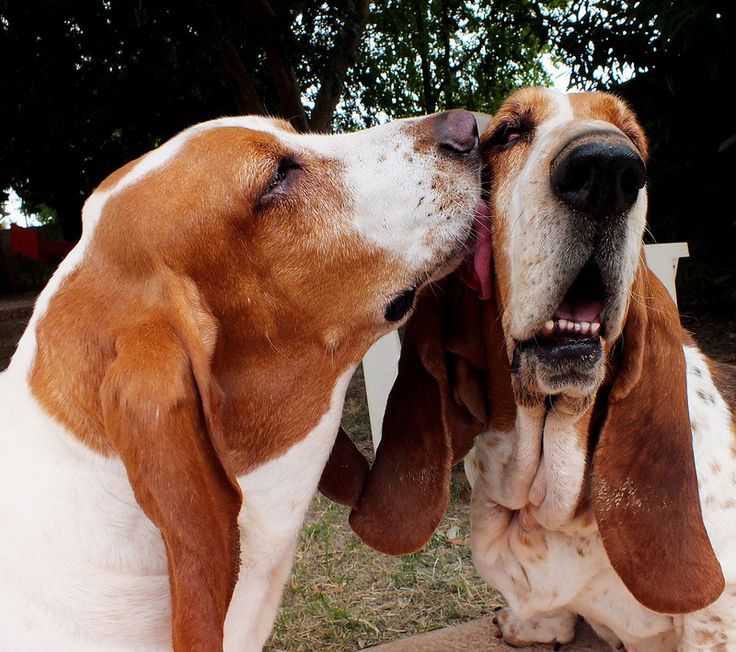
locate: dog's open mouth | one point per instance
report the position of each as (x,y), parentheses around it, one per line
(578,316)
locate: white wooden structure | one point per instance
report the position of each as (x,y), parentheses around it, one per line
(381,363)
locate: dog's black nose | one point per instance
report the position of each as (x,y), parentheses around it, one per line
(598,177)
(456,131)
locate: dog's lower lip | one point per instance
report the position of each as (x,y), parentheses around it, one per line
(566,348)
(400,305)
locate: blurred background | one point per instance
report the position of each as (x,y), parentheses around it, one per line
(88,85)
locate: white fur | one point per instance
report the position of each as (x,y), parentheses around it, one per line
(714,446)
(275,499)
(511,457)
(539,228)
(546,574)
(81,566)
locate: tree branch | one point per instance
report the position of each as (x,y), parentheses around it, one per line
(421,38)
(234,74)
(282,72)
(340,59)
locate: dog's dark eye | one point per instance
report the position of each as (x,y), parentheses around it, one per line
(280,180)
(508,134)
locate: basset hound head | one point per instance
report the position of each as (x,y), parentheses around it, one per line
(564,319)
(235,267)
(568,209)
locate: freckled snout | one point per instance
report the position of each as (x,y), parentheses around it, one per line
(598,176)
(456,131)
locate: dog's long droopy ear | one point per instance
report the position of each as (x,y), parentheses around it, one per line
(345,472)
(427,425)
(161,412)
(645,488)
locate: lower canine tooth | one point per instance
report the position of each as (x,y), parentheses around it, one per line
(549,325)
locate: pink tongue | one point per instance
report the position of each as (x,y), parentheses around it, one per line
(582,311)
(483,251)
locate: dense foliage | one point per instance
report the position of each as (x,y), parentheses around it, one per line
(88,85)
(91,84)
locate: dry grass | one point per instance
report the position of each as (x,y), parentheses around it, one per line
(344,596)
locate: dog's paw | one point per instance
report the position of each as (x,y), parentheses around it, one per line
(557,628)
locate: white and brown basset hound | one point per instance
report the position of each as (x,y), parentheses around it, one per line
(600,441)
(176,394)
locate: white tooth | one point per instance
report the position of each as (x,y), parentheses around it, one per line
(577,327)
(594,328)
(562,323)
(584,327)
(549,325)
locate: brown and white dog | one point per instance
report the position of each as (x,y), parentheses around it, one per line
(601,445)
(173,401)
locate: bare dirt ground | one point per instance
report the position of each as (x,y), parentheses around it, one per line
(343,596)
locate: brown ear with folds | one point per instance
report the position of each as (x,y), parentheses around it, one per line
(345,472)
(160,410)
(644,487)
(427,426)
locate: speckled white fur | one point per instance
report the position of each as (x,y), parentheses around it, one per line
(549,573)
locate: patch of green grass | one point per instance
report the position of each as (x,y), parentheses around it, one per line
(344,596)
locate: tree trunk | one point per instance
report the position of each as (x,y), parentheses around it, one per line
(447,83)
(234,74)
(422,41)
(68,210)
(340,59)
(282,72)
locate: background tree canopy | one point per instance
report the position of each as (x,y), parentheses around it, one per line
(89,85)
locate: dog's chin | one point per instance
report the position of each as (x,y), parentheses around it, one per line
(446,266)
(565,368)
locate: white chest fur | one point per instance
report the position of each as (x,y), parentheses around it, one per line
(542,571)
(276,497)
(81,566)
(547,574)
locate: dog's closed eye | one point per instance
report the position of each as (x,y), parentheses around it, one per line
(281,180)
(509,132)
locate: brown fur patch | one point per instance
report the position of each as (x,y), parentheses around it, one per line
(643,466)
(609,108)
(215,234)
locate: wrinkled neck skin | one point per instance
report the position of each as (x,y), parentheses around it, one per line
(538,465)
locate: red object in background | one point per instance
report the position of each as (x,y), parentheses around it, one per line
(30,243)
